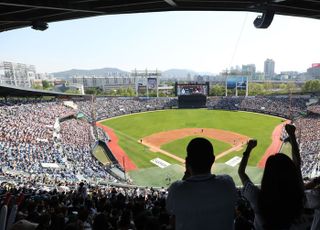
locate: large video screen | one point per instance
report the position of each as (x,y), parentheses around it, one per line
(239,81)
(190,89)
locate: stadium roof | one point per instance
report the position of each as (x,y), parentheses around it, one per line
(14,91)
(37,13)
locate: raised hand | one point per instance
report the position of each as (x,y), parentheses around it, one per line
(291,129)
(252,144)
(244,161)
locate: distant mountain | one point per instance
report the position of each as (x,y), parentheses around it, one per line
(206,73)
(97,72)
(178,73)
(170,73)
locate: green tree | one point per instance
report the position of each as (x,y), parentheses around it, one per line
(268,86)
(217,90)
(131,92)
(291,87)
(90,91)
(256,89)
(311,86)
(36,86)
(95,91)
(46,84)
(283,86)
(72,91)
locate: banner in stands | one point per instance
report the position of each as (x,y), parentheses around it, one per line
(152,83)
(50,165)
(239,82)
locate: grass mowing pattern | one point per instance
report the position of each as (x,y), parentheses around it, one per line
(139,125)
(178,147)
(101,156)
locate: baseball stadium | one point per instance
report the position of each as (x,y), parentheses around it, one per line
(140,139)
(116,152)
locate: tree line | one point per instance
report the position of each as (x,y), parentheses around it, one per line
(254,89)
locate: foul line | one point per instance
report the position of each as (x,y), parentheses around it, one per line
(235,148)
(157,149)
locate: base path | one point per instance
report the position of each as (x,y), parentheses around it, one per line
(275,144)
(161,138)
(118,152)
(155,141)
(157,149)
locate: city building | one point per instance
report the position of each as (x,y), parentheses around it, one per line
(105,83)
(289,75)
(314,71)
(269,69)
(17,74)
(249,70)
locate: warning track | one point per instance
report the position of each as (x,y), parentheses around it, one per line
(118,152)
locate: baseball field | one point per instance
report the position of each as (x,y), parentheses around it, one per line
(151,145)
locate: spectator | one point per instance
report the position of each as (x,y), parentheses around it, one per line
(279,201)
(202,200)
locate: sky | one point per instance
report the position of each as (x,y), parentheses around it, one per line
(200,41)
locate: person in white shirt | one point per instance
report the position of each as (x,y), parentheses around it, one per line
(202,200)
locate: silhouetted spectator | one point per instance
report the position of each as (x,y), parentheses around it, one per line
(202,200)
(280,199)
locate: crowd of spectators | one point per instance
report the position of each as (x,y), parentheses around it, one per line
(277,105)
(76,139)
(26,138)
(86,207)
(309,143)
(107,107)
(28,141)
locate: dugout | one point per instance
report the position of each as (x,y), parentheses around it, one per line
(192,101)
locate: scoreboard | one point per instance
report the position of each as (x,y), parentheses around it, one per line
(192,88)
(239,82)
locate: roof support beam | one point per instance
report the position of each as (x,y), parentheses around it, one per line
(51,8)
(171,3)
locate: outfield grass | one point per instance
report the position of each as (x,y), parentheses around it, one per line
(136,126)
(101,156)
(178,147)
